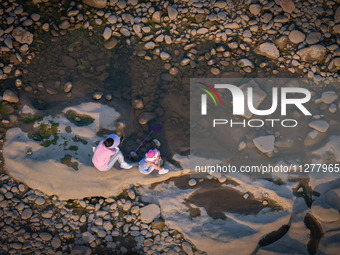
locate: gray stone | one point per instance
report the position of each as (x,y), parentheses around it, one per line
(108,226)
(192,182)
(138,30)
(40,201)
(111,44)
(255,9)
(8,42)
(334,65)
(172,12)
(185,61)
(319,125)
(56,242)
(187,248)
(80,250)
(112,19)
(10,96)
(202,31)
(88,237)
(149,213)
(336,29)
(313,38)
(107,33)
(164,55)
(26,214)
(220,4)
(156,17)
(45,236)
(313,53)
(67,87)
(215,71)
(329,97)
(337,15)
(265,144)
(96,3)
(22,36)
(149,46)
(27,23)
(64,25)
(268,50)
(121,4)
(296,37)
(131,194)
(287,5)
(245,62)
(145,117)
(125,31)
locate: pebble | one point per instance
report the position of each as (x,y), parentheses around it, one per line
(296,36)
(56,242)
(10,96)
(222,179)
(215,71)
(107,33)
(265,202)
(242,146)
(313,53)
(245,62)
(172,12)
(149,213)
(88,237)
(255,9)
(265,144)
(268,50)
(40,201)
(9,195)
(65,25)
(145,117)
(45,236)
(246,195)
(192,182)
(67,87)
(319,125)
(111,44)
(332,108)
(97,95)
(149,46)
(131,194)
(164,55)
(329,97)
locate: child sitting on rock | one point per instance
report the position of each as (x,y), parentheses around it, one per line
(107,153)
(151,162)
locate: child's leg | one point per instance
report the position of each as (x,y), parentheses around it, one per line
(118,156)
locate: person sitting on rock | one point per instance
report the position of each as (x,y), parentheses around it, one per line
(151,162)
(107,153)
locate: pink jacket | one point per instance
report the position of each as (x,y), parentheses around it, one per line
(101,156)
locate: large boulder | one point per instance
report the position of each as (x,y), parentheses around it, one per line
(96,3)
(313,53)
(268,50)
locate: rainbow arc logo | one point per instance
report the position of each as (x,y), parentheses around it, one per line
(209,93)
(204,97)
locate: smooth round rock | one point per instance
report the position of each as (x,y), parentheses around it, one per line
(192,182)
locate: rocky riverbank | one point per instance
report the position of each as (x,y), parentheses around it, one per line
(141,54)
